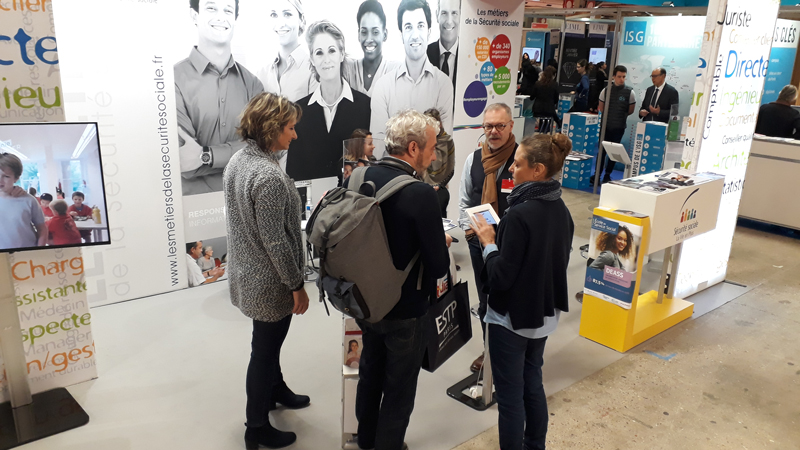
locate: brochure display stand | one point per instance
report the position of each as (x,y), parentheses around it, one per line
(27,418)
(671,207)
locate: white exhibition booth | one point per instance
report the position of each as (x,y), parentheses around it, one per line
(126,85)
(773,172)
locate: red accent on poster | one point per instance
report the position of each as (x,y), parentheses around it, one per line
(500,52)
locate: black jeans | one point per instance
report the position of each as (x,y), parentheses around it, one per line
(476,255)
(612,135)
(521,402)
(388,372)
(264,371)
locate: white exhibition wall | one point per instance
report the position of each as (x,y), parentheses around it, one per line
(128,86)
(49,285)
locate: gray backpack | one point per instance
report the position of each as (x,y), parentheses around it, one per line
(356,268)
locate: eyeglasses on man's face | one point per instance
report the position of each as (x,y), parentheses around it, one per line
(487,127)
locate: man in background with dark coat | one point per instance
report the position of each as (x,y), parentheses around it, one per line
(658,99)
(443,53)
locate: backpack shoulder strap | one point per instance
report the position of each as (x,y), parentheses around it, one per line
(393,186)
(357,179)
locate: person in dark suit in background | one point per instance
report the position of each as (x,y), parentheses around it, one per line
(779,119)
(444,52)
(658,98)
(330,113)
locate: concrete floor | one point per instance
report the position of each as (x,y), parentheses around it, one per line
(734,379)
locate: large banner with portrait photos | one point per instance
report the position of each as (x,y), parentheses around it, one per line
(169,104)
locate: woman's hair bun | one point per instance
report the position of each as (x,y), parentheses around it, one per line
(561,145)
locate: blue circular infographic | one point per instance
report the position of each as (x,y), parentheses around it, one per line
(475,99)
(487,73)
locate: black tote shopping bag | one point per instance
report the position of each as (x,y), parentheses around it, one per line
(448,325)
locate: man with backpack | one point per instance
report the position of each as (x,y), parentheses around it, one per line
(395,345)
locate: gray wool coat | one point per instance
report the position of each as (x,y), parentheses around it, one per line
(265,251)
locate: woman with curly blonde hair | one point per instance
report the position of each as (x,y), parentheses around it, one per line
(266,264)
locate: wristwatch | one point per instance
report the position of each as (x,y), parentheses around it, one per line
(206,157)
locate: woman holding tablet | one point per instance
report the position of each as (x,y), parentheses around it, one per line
(526,272)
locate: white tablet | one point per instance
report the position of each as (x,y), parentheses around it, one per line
(617,152)
(484,210)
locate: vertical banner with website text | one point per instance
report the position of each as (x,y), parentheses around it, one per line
(126,87)
(490,37)
(734,63)
(49,288)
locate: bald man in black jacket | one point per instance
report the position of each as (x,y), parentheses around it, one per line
(665,96)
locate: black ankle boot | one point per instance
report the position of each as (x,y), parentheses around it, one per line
(283,395)
(267,436)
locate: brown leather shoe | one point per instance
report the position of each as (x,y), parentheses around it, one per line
(477,365)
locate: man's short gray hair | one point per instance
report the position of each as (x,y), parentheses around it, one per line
(499,107)
(406,127)
(788,94)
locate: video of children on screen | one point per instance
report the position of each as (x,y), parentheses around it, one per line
(37,157)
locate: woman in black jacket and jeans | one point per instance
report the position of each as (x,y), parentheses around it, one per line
(526,272)
(544,96)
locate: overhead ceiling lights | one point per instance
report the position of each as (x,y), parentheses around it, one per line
(7,148)
(86,137)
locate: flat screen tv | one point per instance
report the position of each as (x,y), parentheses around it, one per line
(535,54)
(51,186)
(597,55)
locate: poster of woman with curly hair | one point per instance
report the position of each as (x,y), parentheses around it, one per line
(613,255)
